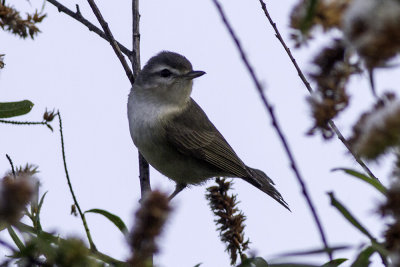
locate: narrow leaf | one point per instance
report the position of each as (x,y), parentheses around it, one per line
(363,258)
(41,202)
(380,249)
(12,109)
(334,263)
(346,213)
(292,265)
(383,252)
(3,225)
(254,262)
(113,218)
(37,214)
(49,126)
(313,251)
(375,183)
(260,262)
(15,238)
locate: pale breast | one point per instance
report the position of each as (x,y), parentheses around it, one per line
(146,124)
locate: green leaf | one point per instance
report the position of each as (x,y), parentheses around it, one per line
(37,213)
(3,225)
(15,238)
(309,17)
(49,126)
(363,258)
(374,182)
(334,263)
(260,262)
(380,249)
(293,265)
(254,262)
(113,218)
(198,265)
(313,251)
(346,213)
(12,109)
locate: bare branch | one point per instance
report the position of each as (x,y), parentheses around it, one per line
(144,173)
(275,125)
(135,38)
(308,86)
(111,39)
(78,16)
(28,123)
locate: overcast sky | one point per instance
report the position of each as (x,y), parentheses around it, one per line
(71,69)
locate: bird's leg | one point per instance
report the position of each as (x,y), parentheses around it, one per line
(178,188)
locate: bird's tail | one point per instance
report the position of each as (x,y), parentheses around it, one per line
(260,180)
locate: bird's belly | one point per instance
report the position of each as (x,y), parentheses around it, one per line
(176,166)
(149,137)
(168,160)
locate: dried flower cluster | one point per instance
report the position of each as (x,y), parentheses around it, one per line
(331,77)
(372,27)
(308,14)
(2,61)
(378,130)
(16,192)
(48,116)
(392,208)
(10,20)
(230,219)
(149,222)
(369,26)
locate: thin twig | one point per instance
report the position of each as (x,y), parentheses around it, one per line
(346,144)
(308,86)
(78,16)
(12,165)
(144,173)
(111,39)
(82,215)
(26,122)
(275,125)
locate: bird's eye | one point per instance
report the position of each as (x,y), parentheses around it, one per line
(165,73)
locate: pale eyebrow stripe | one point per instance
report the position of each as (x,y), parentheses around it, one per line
(159,68)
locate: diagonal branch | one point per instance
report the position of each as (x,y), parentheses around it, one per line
(308,86)
(78,16)
(111,39)
(275,124)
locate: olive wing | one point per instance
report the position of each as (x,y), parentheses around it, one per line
(193,134)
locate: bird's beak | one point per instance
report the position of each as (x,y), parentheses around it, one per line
(194,74)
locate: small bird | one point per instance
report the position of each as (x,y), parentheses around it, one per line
(174,134)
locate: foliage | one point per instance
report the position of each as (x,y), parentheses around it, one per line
(368,39)
(11,21)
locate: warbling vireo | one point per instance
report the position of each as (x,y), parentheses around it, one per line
(175,135)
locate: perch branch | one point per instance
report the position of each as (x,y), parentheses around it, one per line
(144,173)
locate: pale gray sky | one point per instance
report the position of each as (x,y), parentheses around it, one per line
(73,70)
